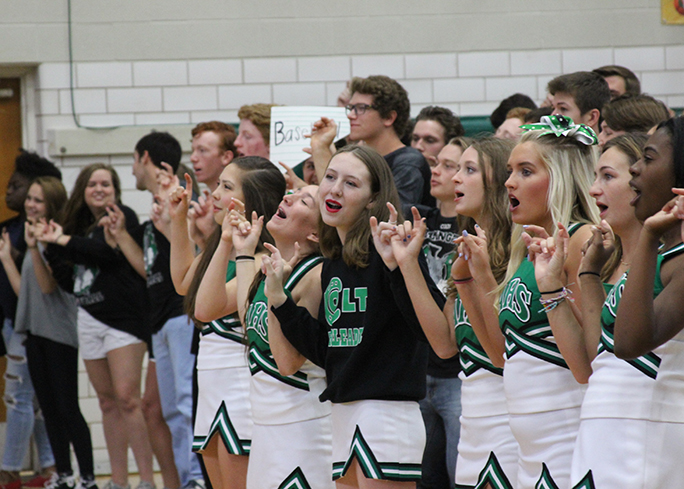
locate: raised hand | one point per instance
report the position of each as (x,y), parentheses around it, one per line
(382,237)
(407,242)
(663,220)
(475,253)
(201,221)
(51,233)
(323,133)
(30,233)
(274,267)
(177,199)
(678,211)
(292,181)
(116,222)
(167,181)
(6,246)
(245,234)
(598,248)
(549,255)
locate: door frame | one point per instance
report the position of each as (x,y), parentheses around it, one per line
(27,75)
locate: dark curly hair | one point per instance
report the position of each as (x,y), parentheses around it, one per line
(388,95)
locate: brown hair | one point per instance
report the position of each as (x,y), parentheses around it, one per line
(78,220)
(632,84)
(54,196)
(632,146)
(225,132)
(588,89)
(388,95)
(355,250)
(260,116)
(634,113)
(263,187)
(518,113)
(444,117)
(492,155)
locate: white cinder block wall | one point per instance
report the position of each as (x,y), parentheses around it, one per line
(177,62)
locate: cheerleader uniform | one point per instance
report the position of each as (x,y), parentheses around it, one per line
(619,417)
(542,396)
(292,439)
(223,406)
(487,450)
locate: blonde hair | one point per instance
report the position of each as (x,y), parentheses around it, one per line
(571,172)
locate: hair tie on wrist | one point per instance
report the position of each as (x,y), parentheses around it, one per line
(244,258)
(589,273)
(458,281)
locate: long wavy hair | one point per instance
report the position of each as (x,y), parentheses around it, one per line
(355,250)
(571,173)
(492,155)
(632,146)
(263,187)
(54,196)
(78,219)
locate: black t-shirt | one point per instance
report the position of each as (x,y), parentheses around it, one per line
(438,249)
(411,176)
(165,303)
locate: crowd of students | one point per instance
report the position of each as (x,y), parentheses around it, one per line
(421,309)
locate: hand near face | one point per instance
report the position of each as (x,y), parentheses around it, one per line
(663,220)
(598,249)
(382,237)
(407,241)
(549,255)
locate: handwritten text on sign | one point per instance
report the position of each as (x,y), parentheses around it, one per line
(290,124)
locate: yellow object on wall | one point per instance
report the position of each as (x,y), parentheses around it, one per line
(672,11)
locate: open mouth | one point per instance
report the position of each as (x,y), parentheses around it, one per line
(281,213)
(458,195)
(602,208)
(332,206)
(514,202)
(636,197)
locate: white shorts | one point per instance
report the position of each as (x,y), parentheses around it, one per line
(223,408)
(386,437)
(487,450)
(296,455)
(96,339)
(546,442)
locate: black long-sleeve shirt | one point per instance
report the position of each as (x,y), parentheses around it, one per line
(367,336)
(103,281)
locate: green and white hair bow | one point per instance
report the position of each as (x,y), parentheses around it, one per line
(563,126)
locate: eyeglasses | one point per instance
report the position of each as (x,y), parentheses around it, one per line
(358,109)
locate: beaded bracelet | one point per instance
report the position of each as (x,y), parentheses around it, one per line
(552,303)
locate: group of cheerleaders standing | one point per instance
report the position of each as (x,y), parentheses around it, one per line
(555,281)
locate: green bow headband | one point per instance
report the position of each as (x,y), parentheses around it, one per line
(563,126)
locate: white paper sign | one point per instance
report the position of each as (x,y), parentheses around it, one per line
(290,124)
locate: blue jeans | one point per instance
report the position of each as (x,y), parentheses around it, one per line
(175,364)
(441,410)
(22,417)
